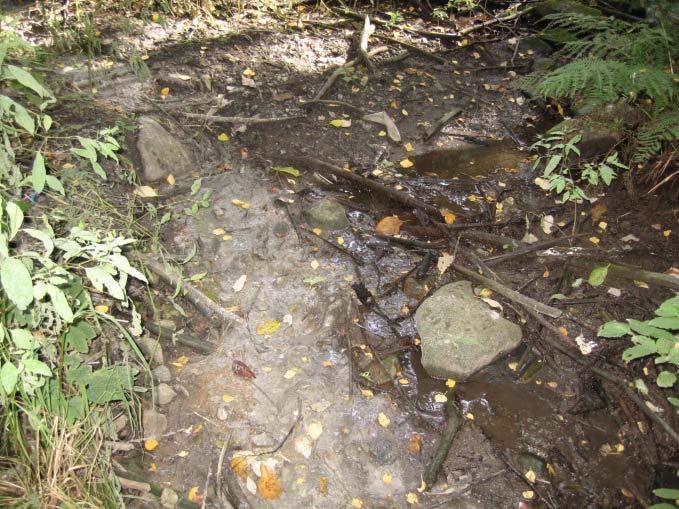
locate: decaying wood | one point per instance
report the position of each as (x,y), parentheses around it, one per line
(629,272)
(405,199)
(453,424)
(240,120)
(416,244)
(201,301)
(510,294)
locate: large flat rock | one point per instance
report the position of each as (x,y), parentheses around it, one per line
(162,154)
(460,333)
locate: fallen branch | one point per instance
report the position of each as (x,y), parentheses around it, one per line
(537,246)
(129,484)
(453,424)
(368,29)
(342,69)
(447,117)
(240,120)
(201,301)
(411,47)
(315,164)
(510,294)
(417,244)
(632,273)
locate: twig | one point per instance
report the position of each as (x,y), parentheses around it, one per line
(337,247)
(537,246)
(443,447)
(129,484)
(207,484)
(397,196)
(289,433)
(411,47)
(240,120)
(418,244)
(202,302)
(368,29)
(332,102)
(447,117)
(342,69)
(510,294)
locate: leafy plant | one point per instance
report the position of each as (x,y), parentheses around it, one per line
(93,149)
(395,18)
(560,172)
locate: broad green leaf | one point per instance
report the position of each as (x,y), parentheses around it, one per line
(9,375)
(17,283)
(663,505)
(37,367)
(665,322)
(666,379)
(46,122)
(551,165)
(108,384)
(100,279)
(198,277)
(24,119)
(674,401)
(26,79)
(666,493)
(598,275)
(38,173)
(195,187)
(640,385)
(54,184)
(123,265)
(42,237)
(86,153)
(15,218)
(98,169)
(23,339)
(644,346)
(614,330)
(648,330)
(60,303)
(78,336)
(4,246)
(287,169)
(669,308)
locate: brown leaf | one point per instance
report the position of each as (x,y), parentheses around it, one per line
(242,370)
(390,225)
(269,486)
(415,444)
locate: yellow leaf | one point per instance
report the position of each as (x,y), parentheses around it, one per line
(323,483)
(155,17)
(314,264)
(594,240)
(180,362)
(170,179)
(559,108)
(382,134)
(530,476)
(145,191)
(513,365)
(101,308)
(404,112)
(408,147)
(165,91)
(641,284)
(315,429)
(367,393)
(218,231)
(153,467)
(403,381)
(448,216)
(239,465)
(194,496)
(440,398)
(528,494)
(249,73)
(291,373)
(485,293)
(666,233)
(223,137)
(356,503)
(183,454)
(240,203)
(150,444)
(469,416)
(387,478)
(317,231)
(450,383)
(412,499)
(327,364)
(268,327)
(603,225)
(383,420)
(406,163)
(390,225)
(340,241)
(268,484)
(228,398)
(340,122)
(476,55)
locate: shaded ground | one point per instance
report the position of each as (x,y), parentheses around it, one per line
(318,378)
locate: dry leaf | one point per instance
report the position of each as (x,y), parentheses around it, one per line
(268,484)
(356,503)
(594,240)
(547,224)
(448,216)
(170,179)
(228,398)
(340,122)
(239,465)
(450,383)
(315,429)
(223,137)
(528,494)
(597,212)
(406,163)
(268,327)
(240,203)
(314,264)
(249,73)
(323,483)
(444,261)
(440,398)
(194,496)
(150,444)
(145,191)
(530,476)
(485,293)
(240,283)
(390,225)
(408,147)
(165,91)
(291,373)
(101,308)
(387,478)
(415,444)
(666,233)
(183,454)
(412,499)
(383,420)
(219,231)
(180,362)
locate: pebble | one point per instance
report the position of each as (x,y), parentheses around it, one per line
(154,423)
(164,394)
(162,374)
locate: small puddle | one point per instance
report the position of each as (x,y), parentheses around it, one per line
(468,160)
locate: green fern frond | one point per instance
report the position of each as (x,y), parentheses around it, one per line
(651,135)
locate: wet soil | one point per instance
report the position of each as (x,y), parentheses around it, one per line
(323,372)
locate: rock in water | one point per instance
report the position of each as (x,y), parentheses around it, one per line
(161,153)
(460,333)
(327,215)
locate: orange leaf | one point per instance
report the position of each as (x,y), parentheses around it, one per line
(150,444)
(239,464)
(415,444)
(390,225)
(194,496)
(269,486)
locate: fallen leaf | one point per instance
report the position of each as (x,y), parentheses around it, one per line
(615,292)
(666,233)
(448,216)
(323,485)
(240,203)
(390,225)
(340,241)
(594,240)
(327,364)
(406,163)
(317,231)
(469,416)
(218,231)
(440,398)
(485,293)
(450,383)
(194,496)
(180,361)
(415,444)
(530,476)
(314,429)
(223,137)
(641,284)
(444,261)
(476,55)
(183,454)
(513,365)
(340,122)
(291,373)
(630,238)
(356,503)
(249,73)
(165,91)
(239,465)
(603,225)
(412,499)
(408,147)
(367,393)
(268,327)
(403,381)
(314,264)
(287,169)
(101,308)
(240,283)
(269,485)
(145,191)
(150,444)
(170,179)
(387,478)
(383,420)
(528,494)
(547,224)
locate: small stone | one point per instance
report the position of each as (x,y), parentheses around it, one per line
(222,413)
(168,498)
(164,394)
(328,215)
(120,422)
(162,374)
(152,349)
(154,423)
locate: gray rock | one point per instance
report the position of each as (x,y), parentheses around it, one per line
(461,334)
(165,394)
(162,374)
(152,349)
(161,153)
(154,423)
(327,215)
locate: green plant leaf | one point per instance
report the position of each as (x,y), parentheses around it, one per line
(54,184)
(24,119)
(665,322)
(17,282)
(9,375)
(195,187)
(38,173)
(613,330)
(37,367)
(666,379)
(43,237)
(669,308)
(96,167)
(644,346)
(598,275)
(648,330)
(60,303)
(551,165)
(666,493)
(100,279)
(108,384)
(79,334)
(15,218)
(26,79)
(23,339)
(663,505)
(287,169)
